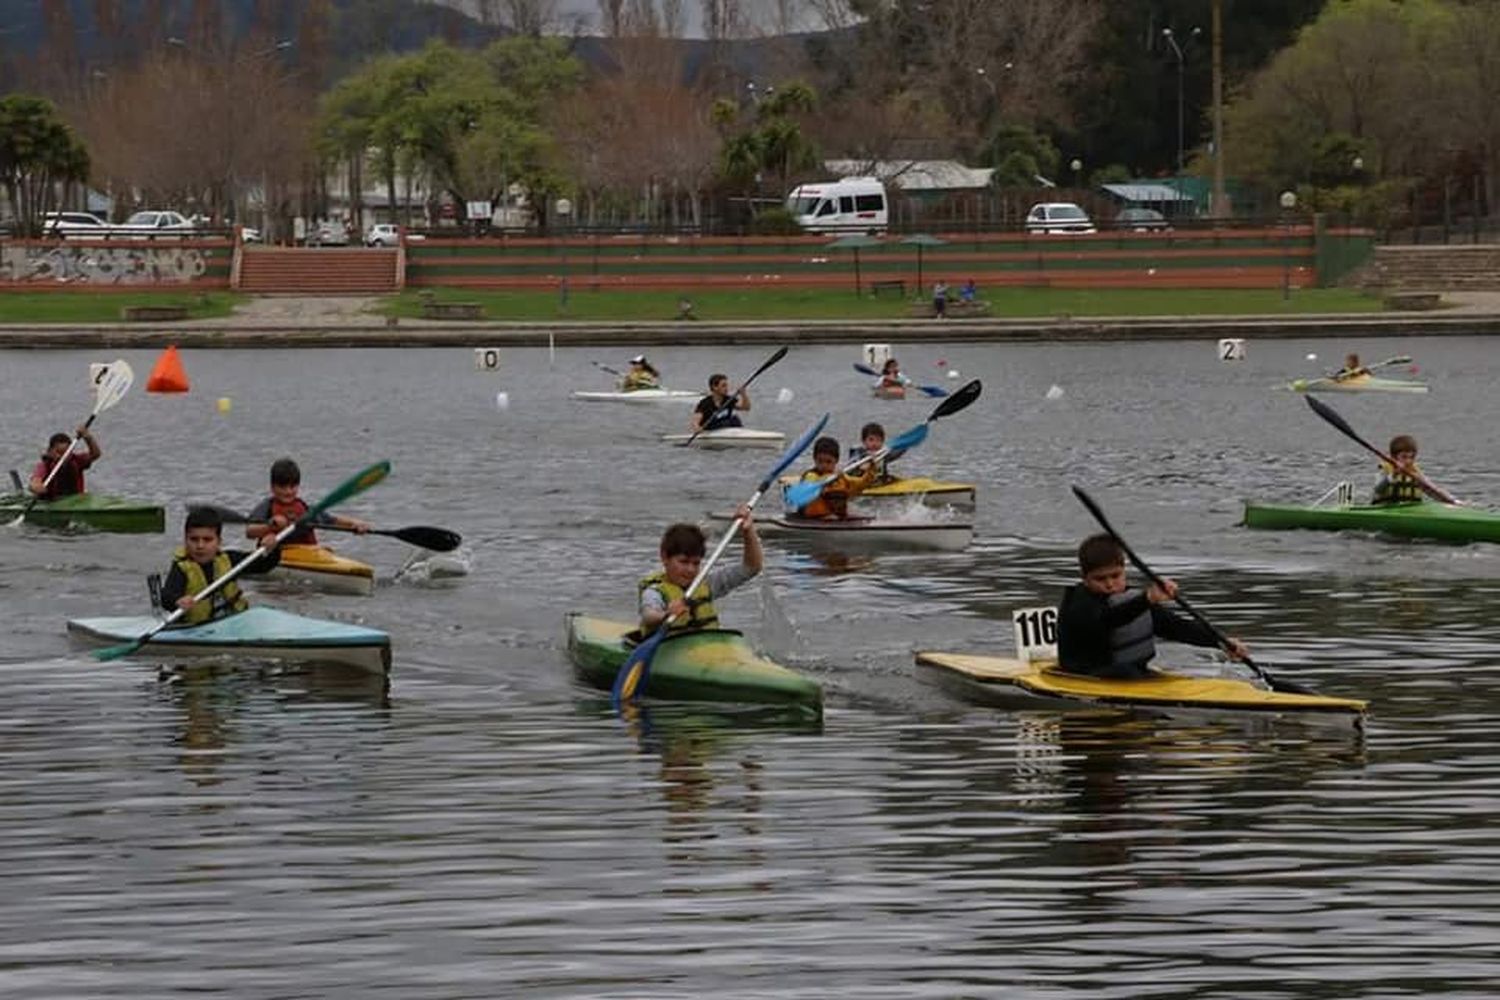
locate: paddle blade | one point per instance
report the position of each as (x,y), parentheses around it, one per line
(865,369)
(117,652)
(111,383)
(799,495)
(933,391)
(353,486)
(796,448)
(1331,415)
(423,537)
(908,439)
(631,679)
(958,401)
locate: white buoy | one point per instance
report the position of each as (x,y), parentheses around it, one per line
(953,373)
(1056,392)
(1312,357)
(502,400)
(784,396)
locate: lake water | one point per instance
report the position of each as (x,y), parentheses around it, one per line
(489,828)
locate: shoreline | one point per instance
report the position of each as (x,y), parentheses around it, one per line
(226,333)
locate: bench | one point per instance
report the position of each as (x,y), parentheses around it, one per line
(153,314)
(1413,301)
(896,285)
(955,310)
(452,310)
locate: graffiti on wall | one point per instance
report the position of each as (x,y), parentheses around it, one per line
(21,262)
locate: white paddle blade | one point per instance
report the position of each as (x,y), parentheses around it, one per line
(111,383)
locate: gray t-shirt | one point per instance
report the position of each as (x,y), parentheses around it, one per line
(721,580)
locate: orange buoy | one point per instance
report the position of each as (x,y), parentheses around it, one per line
(168,375)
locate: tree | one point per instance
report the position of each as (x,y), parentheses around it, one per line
(37,153)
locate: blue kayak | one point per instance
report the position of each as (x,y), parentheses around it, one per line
(260,632)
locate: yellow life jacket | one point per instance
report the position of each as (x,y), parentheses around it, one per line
(701,611)
(1396,487)
(834,500)
(635,381)
(227,600)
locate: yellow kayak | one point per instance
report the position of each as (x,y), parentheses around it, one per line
(324,570)
(1021,684)
(932,492)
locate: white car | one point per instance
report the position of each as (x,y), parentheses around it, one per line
(328,234)
(1058,217)
(149,224)
(383,234)
(78,225)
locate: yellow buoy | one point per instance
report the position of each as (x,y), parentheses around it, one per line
(225,404)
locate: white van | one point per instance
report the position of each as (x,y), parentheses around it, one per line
(848,205)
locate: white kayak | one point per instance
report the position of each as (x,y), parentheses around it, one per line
(639,396)
(260,632)
(729,437)
(1359,383)
(866,533)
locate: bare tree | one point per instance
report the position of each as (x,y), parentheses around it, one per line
(526,17)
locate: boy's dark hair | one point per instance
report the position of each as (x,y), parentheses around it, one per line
(717,377)
(683,540)
(1403,442)
(871,428)
(826,446)
(1098,552)
(57,439)
(203,517)
(284,472)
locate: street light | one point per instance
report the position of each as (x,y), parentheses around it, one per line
(1077,166)
(1288,203)
(564,208)
(1181,67)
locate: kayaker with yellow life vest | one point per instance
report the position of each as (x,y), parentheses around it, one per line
(200,561)
(1106,629)
(871,440)
(683,546)
(641,376)
(1402,482)
(69,478)
(284,506)
(1352,369)
(833,502)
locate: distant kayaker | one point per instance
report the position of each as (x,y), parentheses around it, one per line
(641,376)
(683,546)
(1401,482)
(1106,629)
(833,502)
(891,377)
(200,561)
(716,410)
(1352,369)
(69,478)
(871,441)
(284,506)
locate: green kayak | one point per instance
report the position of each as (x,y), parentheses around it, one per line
(712,665)
(1424,519)
(88,510)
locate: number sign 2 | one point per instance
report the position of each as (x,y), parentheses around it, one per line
(1036,633)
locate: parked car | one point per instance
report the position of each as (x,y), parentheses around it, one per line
(152,224)
(78,225)
(383,234)
(328,234)
(1141,220)
(249,234)
(1058,217)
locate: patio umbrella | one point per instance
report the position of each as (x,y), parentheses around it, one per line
(920,240)
(855,243)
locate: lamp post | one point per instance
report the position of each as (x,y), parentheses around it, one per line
(1077,168)
(564,208)
(1219,205)
(1288,204)
(1171,38)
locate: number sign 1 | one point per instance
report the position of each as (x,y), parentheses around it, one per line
(1036,633)
(876,355)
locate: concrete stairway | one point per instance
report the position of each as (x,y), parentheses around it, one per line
(1438,267)
(319,270)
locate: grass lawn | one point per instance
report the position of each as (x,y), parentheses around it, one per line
(773,304)
(104,307)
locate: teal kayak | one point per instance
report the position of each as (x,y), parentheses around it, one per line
(1424,519)
(259,632)
(711,665)
(87,510)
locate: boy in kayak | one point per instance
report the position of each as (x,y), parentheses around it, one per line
(641,376)
(833,502)
(1352,369)
(284,506)
(663,593)
(1402,482)
(871,440)
(200,561)
(69,478)
(708,415)
(1106,629)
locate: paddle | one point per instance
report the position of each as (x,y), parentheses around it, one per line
(935,391)
(422,536)
(110,385)
(607,368)
(1399,359)
(1273,683)
(799,495)
(1328,413)
(352,486)
(728,406)
(636,670)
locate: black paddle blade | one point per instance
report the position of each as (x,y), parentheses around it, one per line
(958,401)
(423,537)
(1331,415)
